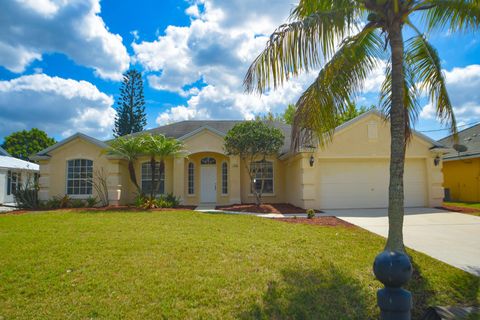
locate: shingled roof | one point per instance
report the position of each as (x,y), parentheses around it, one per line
(470,138)
(184,128)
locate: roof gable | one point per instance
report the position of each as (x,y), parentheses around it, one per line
(44,153)
(378,114)
(201,129)
(4,152)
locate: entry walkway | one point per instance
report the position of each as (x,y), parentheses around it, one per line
(451,237)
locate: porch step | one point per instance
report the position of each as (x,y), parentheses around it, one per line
(206,207)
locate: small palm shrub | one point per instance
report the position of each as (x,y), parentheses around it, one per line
(162,201)
(310,214)
(91,202)
(77,203)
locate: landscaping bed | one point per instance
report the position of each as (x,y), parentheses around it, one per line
(469,208)
(187,265)
(283,208)
(319,221)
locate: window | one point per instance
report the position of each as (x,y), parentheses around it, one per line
(263,175)
(191,178)
(224,178)
(208,160)
(13,182)
(147,178)
(79,177)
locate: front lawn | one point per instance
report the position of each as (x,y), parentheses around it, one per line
(187,265)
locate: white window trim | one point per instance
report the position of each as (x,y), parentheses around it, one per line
(18,181)
(266,194)
(221,177)
(188,175)
(164,177)
(78,196)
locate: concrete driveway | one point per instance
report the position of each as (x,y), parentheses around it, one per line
(451,237)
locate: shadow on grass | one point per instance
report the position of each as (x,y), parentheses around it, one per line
(462,287)
(313,294)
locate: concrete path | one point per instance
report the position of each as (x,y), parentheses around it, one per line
(451,237)
(4,209)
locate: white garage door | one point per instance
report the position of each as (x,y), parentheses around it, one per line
(361,183)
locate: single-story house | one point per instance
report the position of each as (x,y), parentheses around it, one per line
(351,172)
(14,172)
(461,167)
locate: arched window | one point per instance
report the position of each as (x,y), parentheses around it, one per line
(208,160)
(79,177)
(191,178)
(224,178)
(263,175)
(147,178)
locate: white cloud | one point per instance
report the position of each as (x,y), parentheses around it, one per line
(58,106)
(216,49)
(463,87)
(31,28)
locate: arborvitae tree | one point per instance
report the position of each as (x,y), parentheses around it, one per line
(131,115)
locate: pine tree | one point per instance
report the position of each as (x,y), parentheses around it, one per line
(131,115)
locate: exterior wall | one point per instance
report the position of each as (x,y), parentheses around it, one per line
(369,138)
(53,171)
(278,183)
(301,187)
(462,177)
(3,185)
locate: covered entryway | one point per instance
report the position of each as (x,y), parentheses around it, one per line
(208,180)
(363,183)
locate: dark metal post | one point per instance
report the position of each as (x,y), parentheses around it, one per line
(394,270)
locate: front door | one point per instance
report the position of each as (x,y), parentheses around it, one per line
(208,181)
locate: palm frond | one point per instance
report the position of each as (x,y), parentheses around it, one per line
(305,8)
(300,45)
(454,15)
(411,98)
(340,80)
(427,68)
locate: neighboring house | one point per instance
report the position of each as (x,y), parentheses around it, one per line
(461,168)
(14,172)
(351,172)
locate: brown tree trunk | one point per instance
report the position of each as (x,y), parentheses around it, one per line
(133,176)
(397,153)
(152,168)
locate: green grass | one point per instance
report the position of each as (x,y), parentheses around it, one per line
(469,205)
(186,265)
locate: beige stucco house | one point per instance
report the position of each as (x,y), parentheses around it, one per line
(351,172)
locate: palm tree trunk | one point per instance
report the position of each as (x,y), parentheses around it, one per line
(160,171)
(397,152)
(133,176)
(152,168)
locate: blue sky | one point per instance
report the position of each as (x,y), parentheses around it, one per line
(61,63)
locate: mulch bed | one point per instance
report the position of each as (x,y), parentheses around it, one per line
(106,209)
(283,208)
(319,221)
(460,209)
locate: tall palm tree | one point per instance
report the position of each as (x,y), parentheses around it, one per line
(348,39)
(161,147)
(128,148)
